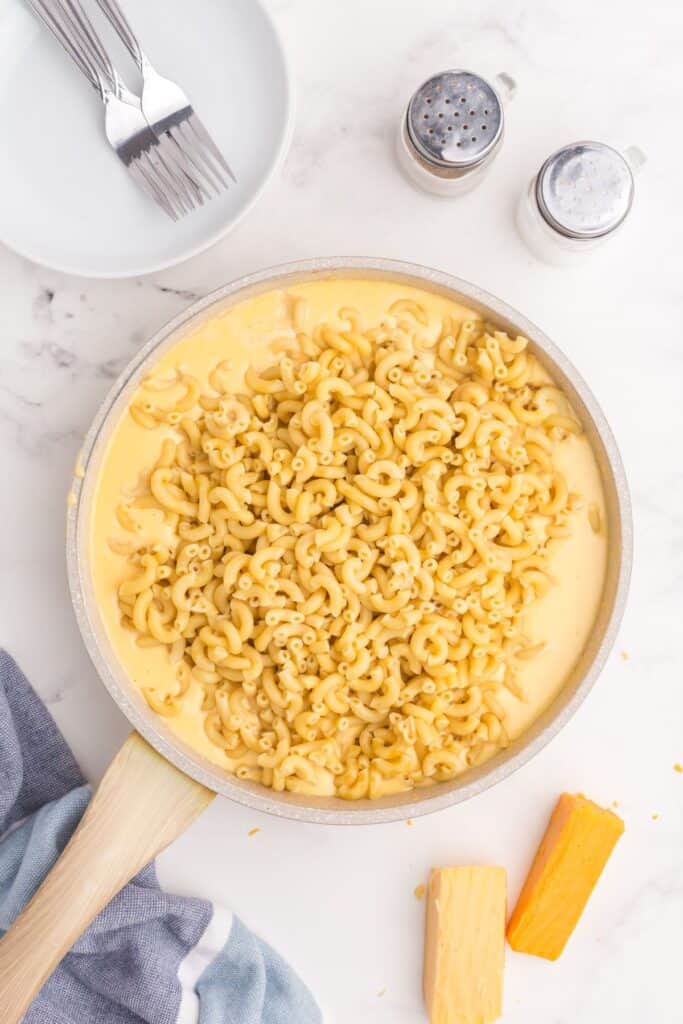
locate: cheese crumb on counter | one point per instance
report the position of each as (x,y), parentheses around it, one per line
(254,831)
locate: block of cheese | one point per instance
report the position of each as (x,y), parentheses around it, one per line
(575,848)
(465,945)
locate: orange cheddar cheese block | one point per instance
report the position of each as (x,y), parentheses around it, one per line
(465,945)
(575,848)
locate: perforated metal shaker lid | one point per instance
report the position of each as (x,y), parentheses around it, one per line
(585,190)
(455,119)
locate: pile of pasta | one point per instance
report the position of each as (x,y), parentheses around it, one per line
(349,546)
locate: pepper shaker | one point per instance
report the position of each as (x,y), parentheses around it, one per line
(452,130)
(580,197)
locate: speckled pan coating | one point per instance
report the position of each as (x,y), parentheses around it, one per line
(416,802)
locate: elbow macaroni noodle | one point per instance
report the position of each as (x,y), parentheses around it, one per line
(345,549)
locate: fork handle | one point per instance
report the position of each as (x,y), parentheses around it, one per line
(122,26)
(59,27)
(70,25)
(91,42)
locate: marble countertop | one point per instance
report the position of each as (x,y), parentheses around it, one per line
(339,901)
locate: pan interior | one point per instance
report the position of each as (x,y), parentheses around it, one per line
(415,802)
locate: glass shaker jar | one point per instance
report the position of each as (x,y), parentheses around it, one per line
(580,197)
(452,130)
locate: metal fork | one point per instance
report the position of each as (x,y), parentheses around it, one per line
(169,111)
(125,125)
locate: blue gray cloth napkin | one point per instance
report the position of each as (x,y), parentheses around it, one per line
(149,957)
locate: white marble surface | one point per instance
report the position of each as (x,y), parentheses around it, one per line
(339,902)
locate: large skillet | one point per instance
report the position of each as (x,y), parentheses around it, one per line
(157,785)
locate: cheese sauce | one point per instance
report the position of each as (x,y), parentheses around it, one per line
(253,332)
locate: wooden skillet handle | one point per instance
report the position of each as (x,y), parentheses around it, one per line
(141,805)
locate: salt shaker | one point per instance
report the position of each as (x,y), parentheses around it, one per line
(580,197)
(452,130)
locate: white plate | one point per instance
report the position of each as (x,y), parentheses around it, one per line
(66,200)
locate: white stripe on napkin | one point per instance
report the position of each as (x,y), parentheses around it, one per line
(198,959)
(13,827)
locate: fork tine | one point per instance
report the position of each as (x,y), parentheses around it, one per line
(141,173)
(183,186)
(175,157)
(140,176)
(195,142)
(155,173)
(148,170)
(166,174)
(204,137)
(185,141)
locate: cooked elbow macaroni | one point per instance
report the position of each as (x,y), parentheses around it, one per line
(340,556)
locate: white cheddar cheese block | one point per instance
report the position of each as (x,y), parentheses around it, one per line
(465,945)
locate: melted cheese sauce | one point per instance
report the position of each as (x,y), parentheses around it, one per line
(252,333)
